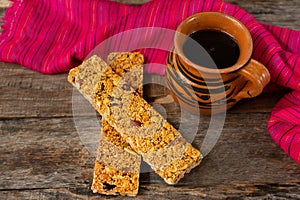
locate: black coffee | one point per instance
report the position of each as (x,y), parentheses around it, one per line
(216,49)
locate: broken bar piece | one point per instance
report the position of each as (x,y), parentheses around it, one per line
(116,171)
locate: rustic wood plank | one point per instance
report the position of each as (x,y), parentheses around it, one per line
(263,103)
(48,153)
(133,2)
(42,153)
(25,93)
(155,191)
(277,12)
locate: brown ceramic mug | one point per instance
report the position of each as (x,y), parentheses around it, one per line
(214,88)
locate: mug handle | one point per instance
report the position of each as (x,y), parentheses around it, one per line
(257,75)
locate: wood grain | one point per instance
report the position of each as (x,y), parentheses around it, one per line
(133,2)
(44,154)
(232,191)
(31,94)
(48,154)
(283,13)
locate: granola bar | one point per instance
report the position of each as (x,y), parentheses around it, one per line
(151,136)
(117,166)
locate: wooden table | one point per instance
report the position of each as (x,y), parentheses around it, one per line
(43,157)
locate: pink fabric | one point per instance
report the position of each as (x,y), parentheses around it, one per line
(52,36)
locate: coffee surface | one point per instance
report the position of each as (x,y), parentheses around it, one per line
(211,49)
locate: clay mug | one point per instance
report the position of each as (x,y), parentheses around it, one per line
(214,89)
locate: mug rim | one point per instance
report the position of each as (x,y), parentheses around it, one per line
(239,63)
